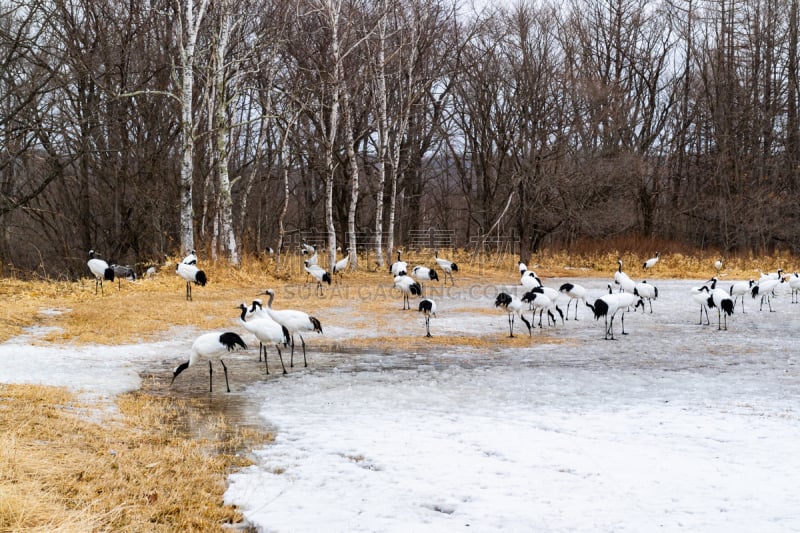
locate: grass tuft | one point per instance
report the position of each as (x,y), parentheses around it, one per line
(141,471)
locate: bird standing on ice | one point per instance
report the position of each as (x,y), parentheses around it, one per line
(626,284)
(701,295)
(539,301)
(293,320)
(574,292)
(722,301)
(100,270)
(265,330)
(407,286)
(794,284)
(650,263)
(647,291)
(513,306)
(530,280)
(191,274)
(447,266)
(428,308)
(739,289)
(765,287)
(771,275)
(211,346)
(610,304)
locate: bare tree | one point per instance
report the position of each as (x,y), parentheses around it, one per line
(190,14)
(26,77)
(382,137)
(792,118)
(428,43)
(225,91)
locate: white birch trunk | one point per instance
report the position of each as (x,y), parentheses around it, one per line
(392,210)
(352,166)
(227,237)
(208,196)
(286,162)
(282,217)
(383,138)
(333,12)
(402,126)
(191,25)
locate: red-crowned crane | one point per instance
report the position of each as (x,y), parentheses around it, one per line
(514,307)
(530,280)
(539,301)
(766,287)
(319,274)
(724,306)
(722,301)
(191,274)
(739,289)
(100,270)
(267,331)
(399,268)
(408,287)
(650,263)
(210,346)
(647,291)
(341,265)
(574,292)
(293,320)
(190,259)
(428,308)
(701,296)
(626,284)
(447,266)
(610,304)
(423,274)
(794,284)
(123,271)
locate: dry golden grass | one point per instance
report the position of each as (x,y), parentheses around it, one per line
(144,310)
(65,466)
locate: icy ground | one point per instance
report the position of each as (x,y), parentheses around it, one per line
(673,427)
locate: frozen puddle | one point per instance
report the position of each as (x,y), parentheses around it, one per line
(675,426)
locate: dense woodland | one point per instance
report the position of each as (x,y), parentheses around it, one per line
(145,128)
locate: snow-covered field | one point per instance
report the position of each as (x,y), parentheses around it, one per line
(675,426)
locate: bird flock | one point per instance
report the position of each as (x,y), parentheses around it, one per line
(278,327)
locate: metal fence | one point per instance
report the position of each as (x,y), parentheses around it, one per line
(292,257)
(502,249)
(436,239)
